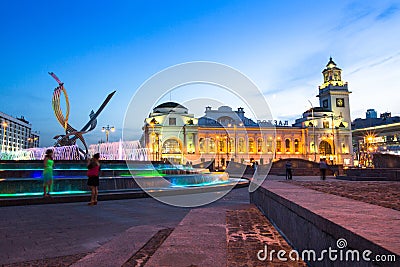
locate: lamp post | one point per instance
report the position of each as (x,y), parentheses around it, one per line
(313,125)
(4,124)
(107,130)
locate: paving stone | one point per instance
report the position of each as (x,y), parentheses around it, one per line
(248,231)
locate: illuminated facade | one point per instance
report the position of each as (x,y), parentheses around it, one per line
(375,135)
(16,134)
(225,135)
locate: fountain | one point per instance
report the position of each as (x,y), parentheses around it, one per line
(23,177)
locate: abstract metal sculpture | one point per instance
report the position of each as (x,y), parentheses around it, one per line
(71,134)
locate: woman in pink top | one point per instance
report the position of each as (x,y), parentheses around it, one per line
(93,178)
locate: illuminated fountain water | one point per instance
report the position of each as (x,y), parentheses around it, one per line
(124,168)
(23,178)
(122,150)
(127,150)
(38,153)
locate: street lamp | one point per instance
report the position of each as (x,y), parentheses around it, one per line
(107,130)
(4,124)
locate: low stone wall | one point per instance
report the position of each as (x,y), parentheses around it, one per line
(386,161)
(301,167)
(369,174)
(307,230)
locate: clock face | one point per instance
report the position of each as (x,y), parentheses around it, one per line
(339,102)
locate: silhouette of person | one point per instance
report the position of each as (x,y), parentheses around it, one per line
(289,170)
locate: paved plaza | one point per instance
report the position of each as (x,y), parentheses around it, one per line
(145,232)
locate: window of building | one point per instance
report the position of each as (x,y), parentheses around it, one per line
(221,145)
(260,144)
(172,121)
(251,145)
(211,145)
(171,146)
(269,146)
(241,147)
(278,146)
(201,145)
(231,147)
(287,145)
(326,124)
(296,145)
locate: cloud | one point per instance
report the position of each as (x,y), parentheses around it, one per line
(388,12)
(376,63)
(353,13)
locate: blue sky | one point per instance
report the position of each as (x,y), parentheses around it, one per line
(96,47)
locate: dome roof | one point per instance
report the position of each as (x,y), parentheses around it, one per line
(170,105)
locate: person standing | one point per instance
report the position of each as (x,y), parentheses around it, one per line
(323,166)
(289,170)
(48,172)
(93,178)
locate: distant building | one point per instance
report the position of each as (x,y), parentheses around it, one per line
(371,114)
(224,135)
(375,135)
(16,134)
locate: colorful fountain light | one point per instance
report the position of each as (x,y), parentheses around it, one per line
(122,150)
(59,153)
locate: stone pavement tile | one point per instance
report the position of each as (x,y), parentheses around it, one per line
(140,258)
(49,262)
(74,227)
(248,232)
(53,230)
(117,251)
(198,240)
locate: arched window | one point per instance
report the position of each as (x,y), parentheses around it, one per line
(269,146)
(251,145)
(221,145)
(231,145)
(211,145)
(202,145)
(171,146)
(241,147)
(287,145)
(260,144)
(325,148)
(278,146)
(296,145)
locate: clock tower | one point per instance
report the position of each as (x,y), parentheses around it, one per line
(334,95)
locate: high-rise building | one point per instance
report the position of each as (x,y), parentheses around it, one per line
(16,134)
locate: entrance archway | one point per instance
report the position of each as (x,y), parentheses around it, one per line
(172,150)
(325,148)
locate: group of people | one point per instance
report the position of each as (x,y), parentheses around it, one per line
(323,166)
(92,174)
